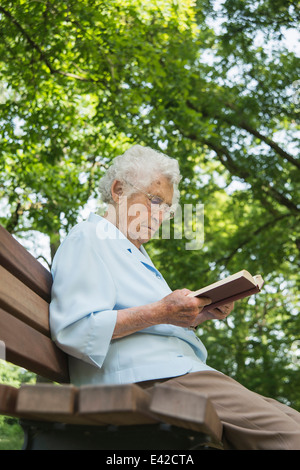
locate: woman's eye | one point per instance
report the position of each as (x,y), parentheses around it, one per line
(156,200)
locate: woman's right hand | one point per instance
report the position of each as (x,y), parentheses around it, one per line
(176,309)
(179,309)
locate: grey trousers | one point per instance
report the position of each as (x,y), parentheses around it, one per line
(250,421)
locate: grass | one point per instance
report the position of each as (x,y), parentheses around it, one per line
(11,434)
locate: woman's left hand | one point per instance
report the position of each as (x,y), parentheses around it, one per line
(219,313)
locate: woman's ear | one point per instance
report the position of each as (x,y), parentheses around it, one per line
(116,190)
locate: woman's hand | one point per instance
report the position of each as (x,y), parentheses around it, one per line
(176,308)
(219,313)
(180,310)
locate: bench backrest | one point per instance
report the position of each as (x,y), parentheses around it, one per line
(25,290)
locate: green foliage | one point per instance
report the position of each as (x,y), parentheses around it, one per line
(11,434)
(213,84)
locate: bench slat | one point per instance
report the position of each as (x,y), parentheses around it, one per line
(17,260)
(32,350)
(8,400)
(115,404)
(92,405)
(23,303)
(42,398)
(48,402)
(186,409)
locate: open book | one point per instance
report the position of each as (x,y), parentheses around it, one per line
(234,287)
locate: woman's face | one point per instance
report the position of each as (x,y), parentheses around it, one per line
(139,218)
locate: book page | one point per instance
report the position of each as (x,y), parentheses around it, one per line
(239,275)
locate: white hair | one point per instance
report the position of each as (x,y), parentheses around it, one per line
(140,166)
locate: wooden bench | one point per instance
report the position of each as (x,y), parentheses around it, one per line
(58,415)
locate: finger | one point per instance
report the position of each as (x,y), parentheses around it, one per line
(186,291)
(221,312)
(226,309)
(228,306)
(218,314)
(204,301)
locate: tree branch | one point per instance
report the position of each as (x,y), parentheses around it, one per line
(250,237)
(242,124)
(233,168)
(12,222)
(41,53)
(247,127)
(271,143)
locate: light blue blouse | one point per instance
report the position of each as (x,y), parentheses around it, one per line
(96,272)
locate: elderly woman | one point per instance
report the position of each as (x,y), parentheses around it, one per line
(118,320)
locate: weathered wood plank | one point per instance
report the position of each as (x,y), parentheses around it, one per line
(32,350)
(186,409)
(115,404)
(46,398)
(23,303)
(60,403)
(17,260)
(8,400)
(49,402)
